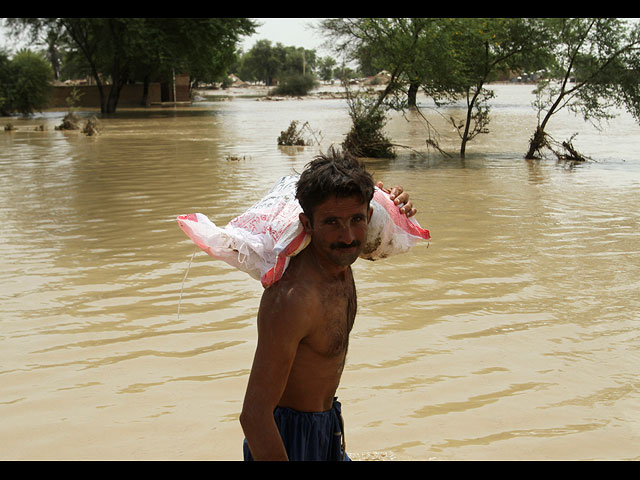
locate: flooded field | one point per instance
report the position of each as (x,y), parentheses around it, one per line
(515,334)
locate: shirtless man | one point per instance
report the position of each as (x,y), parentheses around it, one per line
(290,410)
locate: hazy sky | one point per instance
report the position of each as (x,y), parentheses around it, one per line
(6,42)
(288,31)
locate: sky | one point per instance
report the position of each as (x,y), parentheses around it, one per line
(5,41)
(294,32)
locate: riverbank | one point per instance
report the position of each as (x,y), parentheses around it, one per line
(261,92)
(322,91)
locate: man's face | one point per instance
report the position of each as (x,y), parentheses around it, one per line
(339,229)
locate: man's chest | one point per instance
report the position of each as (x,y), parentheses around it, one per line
(334,320)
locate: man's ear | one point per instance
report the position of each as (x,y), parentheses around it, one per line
(306,223)
(370,213)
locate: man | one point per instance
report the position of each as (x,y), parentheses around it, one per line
(290,410)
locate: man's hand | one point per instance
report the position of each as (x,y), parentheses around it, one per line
(401,198)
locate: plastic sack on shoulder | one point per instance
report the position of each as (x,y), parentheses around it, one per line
(263,239)
(390,231)
(259,242)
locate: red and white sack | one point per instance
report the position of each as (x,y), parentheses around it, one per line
(263,239)
(259,242)
(390,231)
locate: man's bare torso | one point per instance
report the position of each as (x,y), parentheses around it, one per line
(320,357)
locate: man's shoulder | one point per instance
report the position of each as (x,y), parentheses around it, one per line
(289,294)
(287,307)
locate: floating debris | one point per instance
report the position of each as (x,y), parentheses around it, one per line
(235,158)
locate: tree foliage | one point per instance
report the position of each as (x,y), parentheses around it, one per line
(295,84)
(366,137)
(271,63)
(390,44)
(115,51)
(482,48)
(327,68)
(595,68)
(25,82)
(450,59)
(456,59)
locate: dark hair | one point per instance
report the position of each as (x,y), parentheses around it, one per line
(333,174)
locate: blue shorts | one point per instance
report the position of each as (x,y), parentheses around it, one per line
(310,435)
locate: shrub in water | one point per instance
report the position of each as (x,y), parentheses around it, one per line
(295,85)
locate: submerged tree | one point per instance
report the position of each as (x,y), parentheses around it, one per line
(396,45)
(483,48)
(450,59)
(366,137)
(596,68)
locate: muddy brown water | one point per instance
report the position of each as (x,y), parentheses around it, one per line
(513,335)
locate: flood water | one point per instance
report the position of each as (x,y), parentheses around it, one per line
(514,334)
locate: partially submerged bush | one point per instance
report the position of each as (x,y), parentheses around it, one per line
(69,122)
(92,127)
(295,85)
(366,137)
(72,122)
(294,135)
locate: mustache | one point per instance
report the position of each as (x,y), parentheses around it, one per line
(339,245)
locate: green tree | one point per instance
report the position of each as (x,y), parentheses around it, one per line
(5,79)
(482,48)
(326,68)
(119,50)
(299,61)
(448,58)
(204,47)
(296,75)
(596,67)
(272,63)
(25,82)
(366,138)
(262,62)
(295,84)
(401,46)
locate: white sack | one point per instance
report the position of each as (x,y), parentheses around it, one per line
(262,240)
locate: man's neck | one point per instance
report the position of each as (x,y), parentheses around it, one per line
(321,267)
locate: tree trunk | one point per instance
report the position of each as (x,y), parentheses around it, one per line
(538,139)
(411,94)
(144,101)
(112,99)
(535,144)
(103,98)
(465,136)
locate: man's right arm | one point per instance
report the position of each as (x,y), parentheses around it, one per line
(281,327)
(400,197)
